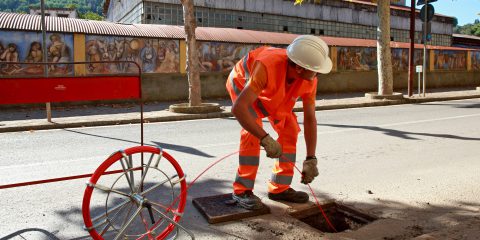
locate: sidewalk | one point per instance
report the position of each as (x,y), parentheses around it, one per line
(83,116)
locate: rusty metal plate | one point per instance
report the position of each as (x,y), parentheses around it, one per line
(218,208)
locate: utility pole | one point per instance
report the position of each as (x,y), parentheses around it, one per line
(425,47)
(411,61)
(44,53)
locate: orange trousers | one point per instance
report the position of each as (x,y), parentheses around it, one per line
(249,156)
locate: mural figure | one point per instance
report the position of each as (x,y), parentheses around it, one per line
(35,55)
(355,58)
(152,55)
(399,59)
(450,60)
(217,57)
(148,56)
(10,54)
(119,54)
(132,54)
(476,60)
(169,57)
(94,55)
(58,52)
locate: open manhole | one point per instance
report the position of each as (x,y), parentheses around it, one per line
(342,217)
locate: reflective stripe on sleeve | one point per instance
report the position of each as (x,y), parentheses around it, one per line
(262,108)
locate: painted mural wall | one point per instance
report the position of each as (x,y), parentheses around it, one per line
(475,61)
(152,55)
(450,60)
(356,59)
(26,47)
(221,57)
(365,59)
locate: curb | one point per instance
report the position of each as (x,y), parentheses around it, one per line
(223,114)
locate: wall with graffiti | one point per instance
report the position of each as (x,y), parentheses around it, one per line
(163,55)
(356,58)
(400,59)
(151,55)
(26,47)
(450,60)
(365,59)
(220,57)
(475,58)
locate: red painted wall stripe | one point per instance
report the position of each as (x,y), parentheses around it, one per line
(64,89)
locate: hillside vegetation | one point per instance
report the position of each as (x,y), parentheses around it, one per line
(82,6)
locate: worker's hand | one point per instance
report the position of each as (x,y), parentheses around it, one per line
(272,147)
(309,171)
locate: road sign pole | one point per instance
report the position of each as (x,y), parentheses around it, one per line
(425,47)
(419,84)
(411,60)
(48,107)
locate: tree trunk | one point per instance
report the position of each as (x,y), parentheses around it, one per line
(384,54)
(190,24)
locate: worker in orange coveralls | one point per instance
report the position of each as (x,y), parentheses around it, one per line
(266,83)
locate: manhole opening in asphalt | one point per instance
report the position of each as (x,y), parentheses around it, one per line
(342,217)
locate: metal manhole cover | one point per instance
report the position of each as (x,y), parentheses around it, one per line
(216,209)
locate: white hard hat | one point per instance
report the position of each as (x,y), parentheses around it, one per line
(311,53)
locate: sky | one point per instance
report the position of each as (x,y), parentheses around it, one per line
(466,11)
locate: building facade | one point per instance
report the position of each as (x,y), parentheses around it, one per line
(56,12)
(336,18)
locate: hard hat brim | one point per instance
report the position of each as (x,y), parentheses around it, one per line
(325,68)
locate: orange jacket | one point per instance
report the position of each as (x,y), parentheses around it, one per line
(276,100)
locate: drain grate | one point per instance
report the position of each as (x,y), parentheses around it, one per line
(342,217)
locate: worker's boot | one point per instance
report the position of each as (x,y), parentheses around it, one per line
(248,200)
(289,195)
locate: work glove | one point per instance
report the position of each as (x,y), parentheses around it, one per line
(309,171)
(272,147)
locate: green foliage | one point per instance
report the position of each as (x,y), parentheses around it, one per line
(469,29)
(91,16)
(83,6)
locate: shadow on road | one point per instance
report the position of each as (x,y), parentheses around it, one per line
(169,146)
(37,231)
(400,134)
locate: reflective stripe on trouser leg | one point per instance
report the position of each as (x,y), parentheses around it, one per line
(283,170)
(282,173)
(249,158)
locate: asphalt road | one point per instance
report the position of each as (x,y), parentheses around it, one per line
(411,161)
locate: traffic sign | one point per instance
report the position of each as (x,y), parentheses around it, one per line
(422,2)
(430,12)
(419,68)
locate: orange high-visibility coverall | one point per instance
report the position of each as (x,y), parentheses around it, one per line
(276,101)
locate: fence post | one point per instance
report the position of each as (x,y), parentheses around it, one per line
(333,56)
(469,60)
(183,57)
(79,54)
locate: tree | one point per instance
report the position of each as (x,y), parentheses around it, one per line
(190,24)
(91,16)
(384,53)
